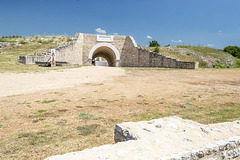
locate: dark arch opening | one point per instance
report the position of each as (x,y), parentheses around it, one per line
(106,53)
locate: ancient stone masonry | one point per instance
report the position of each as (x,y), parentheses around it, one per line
(169,138)
(116,50)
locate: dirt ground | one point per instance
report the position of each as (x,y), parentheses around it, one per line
(40,114)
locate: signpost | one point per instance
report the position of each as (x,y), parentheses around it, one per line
(53,58)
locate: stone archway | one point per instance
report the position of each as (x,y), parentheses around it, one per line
(106,51)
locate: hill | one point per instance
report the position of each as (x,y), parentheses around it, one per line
(207,57)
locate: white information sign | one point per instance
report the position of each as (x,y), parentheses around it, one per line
(103,38)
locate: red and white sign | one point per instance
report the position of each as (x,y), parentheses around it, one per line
(53,55)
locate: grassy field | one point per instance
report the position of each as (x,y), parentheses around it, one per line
(25,46)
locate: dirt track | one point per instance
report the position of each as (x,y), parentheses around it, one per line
(13,84)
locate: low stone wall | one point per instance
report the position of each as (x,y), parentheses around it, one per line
(33,59)
(134,56)
(170,138)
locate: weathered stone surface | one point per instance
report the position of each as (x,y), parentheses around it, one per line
(173,139)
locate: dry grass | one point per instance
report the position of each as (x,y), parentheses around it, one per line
(72,119)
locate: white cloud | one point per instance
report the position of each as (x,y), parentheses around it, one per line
(115,33)
(210,45)
(99,30)
(179,41)
(149,37)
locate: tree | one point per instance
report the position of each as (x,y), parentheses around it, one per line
(154,43)
(233,50)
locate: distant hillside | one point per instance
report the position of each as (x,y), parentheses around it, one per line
(207,57)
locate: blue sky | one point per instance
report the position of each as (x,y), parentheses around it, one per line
(213,23)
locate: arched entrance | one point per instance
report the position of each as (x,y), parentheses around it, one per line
(107,52)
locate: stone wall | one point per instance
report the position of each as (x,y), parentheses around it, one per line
(33,59)
(77,52)
(72,52)
(169,138)
(133,56)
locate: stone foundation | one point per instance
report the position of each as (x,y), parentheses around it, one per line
(170,138)
(33,59)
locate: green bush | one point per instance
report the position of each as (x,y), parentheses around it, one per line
(157,49)
(69,39)
(22,42)
(238,63)
(45,42)
(233,50)
(203,64)
(154,43)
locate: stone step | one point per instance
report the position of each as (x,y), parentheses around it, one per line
(58,63)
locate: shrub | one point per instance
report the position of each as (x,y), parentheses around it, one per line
(203,64)
(157,49)
(45,42)
(69,39)
(22,42)
(154,43)
(233,50)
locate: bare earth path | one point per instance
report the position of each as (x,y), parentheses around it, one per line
(42,114)
(13,84)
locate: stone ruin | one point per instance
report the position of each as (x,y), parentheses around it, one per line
(169,138)
(117,50)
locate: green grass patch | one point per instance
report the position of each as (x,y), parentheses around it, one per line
(87,129)
(1,125)
(41,111)
(209,114)
(146,116)
(106,100)
(49,101)
(62,122)
(36,138)
(41,115)
(45,42)
(87,117)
